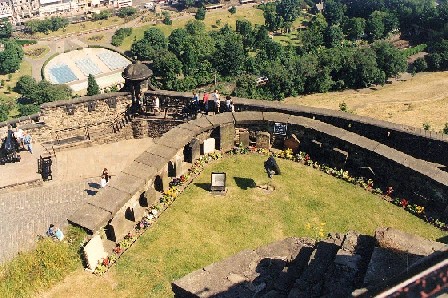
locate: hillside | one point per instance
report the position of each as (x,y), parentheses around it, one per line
(411,101)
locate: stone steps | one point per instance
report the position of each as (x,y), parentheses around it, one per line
(339,266)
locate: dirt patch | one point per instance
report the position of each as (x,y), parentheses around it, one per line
(408,100)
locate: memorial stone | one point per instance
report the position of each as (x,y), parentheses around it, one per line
(149,198)
(194,150)
(244,138)
(226,136)
(120,227)
(263,140)
(292,143)
(209,145)
(94,252)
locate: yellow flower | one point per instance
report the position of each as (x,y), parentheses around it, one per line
(308,226)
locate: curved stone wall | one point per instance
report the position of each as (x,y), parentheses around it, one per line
(122,203)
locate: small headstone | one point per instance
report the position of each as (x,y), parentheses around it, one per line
(94,252)
(244,138)
(149,198)
(195,146)
(120,227)
(209,145)
(263,140)
(226,136)
(292,143)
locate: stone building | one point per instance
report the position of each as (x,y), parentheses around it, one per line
(5,9)
(25,8)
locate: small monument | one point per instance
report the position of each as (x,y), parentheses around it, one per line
(136,77)
(218,183)
(271,167)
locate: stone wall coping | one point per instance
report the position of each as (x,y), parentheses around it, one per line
(82,99)
(111,199)
(140,170)
(127,183)
(33,117)
(90,217)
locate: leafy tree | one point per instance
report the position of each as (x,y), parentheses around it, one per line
(389,59)
(354,28)
(434,61)
(229,56)
(120,35)
(28,109)
(272,20)
(46,92)
(334,11)
(375,26)
(126,12)
(200,14)
(362,69)
(244,28)
(167,18)
(232,9)
(11,57)
(288,10)
(419,65)
(4,112)
(26,86)
(102,15)
(177,41)
(313,37)
(167,66)
(92,86)
(333,36)
(153,41)
(5,29)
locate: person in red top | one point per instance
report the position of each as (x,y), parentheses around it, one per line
(205,102)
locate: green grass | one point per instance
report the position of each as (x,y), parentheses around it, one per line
(254,15)
(35,270)
(200,229)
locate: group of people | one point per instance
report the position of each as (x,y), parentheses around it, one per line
(212,102)
(23,139)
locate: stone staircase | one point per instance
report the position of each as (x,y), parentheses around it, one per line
(341,265)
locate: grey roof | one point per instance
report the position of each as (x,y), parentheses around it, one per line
(136,71)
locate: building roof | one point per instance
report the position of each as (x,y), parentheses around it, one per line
(137,71)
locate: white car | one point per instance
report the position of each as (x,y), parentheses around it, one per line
(261,80)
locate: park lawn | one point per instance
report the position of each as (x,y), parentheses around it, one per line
(199,228)
(32,51)
(254,15)
(84,26)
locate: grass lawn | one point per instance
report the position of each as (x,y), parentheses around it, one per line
(36,51)
(199,229)
(254,15)
(10,97)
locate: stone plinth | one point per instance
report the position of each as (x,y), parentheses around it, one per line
(94,252)
(263,140)
(244,138)
(226,136)
(209,146)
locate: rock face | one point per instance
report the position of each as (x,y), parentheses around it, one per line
(302,267)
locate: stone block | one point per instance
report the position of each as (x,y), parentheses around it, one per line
(263,140)
(119,227)
(176,138)
(164,151)
(208,146)
(244,138)
(292,143)
(193,150)
(226,136)
(90,217)
(203,123)
(248,117)
(94,252)
(128,183)
(149,198)
(140,170)
(152,160)
(275,117)
(220,119)
(111,199)
(161,182)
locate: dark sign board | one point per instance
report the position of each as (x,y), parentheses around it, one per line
(280,128)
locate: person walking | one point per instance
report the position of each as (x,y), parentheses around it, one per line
(205,102)
(216,100)
(27,140)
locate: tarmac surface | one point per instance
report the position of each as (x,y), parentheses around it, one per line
(25,214)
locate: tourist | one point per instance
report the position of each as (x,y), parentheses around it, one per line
(195,102)
(55,233)
(18,134)
(232,106)
(155,104)
(205,102)
(51,231)
(228,101)
(103,181)
(106,175)
(27,142)
(216,100)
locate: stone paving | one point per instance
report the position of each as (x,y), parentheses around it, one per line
(28,213)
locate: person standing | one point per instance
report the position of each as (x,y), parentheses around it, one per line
(228,102)
(216,100)
(27,142)
(18,134)
(205,102)
(195,102)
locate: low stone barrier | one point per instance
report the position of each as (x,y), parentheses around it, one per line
(123,202)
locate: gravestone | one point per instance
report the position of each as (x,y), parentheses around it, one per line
(244,138)
(263,140)
(271,167)
(94,252)
(292,143)
(179,166)
(226,136)
(120,227)
(209,145)
(195,147)
(149,197)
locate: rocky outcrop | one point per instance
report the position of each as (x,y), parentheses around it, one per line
(300,267)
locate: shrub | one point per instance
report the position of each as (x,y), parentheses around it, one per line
(28,109)
(120,35)
(200,14)
(343,107)
(419,65)
(167,18)
(426,126)
(445,129)
(232,9)
(126,12)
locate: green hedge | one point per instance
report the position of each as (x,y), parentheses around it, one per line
(414,50)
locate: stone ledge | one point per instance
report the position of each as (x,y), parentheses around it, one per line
(90,217)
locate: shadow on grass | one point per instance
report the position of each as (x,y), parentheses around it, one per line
(204,186)
(244,183)
(443,239)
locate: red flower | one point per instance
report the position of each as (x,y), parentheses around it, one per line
(106,261)
(389,191)
(404,203)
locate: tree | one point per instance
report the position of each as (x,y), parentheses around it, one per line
(244,28)
(354,28)
(28,109)
(4,112)
(11,57)
(419,65)
(200,14)
(5,30)
(375,26)
(126,12)
(313,37)
(26,86)
(167,18)
(333,36)
(167,66)
(177,41)
(232,9)
(92,86)
(272,20)
(389,59)
(153,41)
(334,11)
(47,92)
(229,57)
(362,69)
